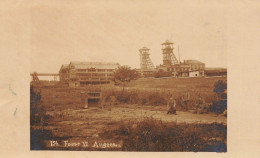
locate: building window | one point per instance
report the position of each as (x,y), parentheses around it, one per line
(101,70)
(81,70)
(92,70)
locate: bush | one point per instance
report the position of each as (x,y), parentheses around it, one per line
(157,97)
(137,97)
(154,135)
(220,86)
(220,104)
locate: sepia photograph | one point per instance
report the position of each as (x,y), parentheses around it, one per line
(132,78)
(128,78)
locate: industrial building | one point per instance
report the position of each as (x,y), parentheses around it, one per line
(215,72)
(77,74)
(188,68)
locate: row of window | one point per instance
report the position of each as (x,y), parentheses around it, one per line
(193,67)
(92,74)
(197,67)
(95,75)
(178,69)
(94,70)
(101,79)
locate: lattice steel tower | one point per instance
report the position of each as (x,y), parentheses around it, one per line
(169,58)
(146,62)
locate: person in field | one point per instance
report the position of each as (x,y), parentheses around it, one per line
(112,100)
(186,101)
(171,105)
(201,106)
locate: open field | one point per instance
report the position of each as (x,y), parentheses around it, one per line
(87,124)
(179,83)
(139,107)
(142,91)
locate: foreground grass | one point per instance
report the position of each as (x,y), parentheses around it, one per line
(154,135)
(146,135)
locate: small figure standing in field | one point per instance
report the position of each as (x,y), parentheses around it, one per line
(172,105)
(112,100)
(186,100)
(201,108)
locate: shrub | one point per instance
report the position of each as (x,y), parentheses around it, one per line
(154,135)
(220,86)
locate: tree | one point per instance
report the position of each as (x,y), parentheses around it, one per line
(35,98)
(125,74)
(37,109)
(220,88)
(162,73)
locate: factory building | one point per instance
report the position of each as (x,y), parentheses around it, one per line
(188,68)
(77,74)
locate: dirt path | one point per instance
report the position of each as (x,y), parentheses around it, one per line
(159,112)
(89,122)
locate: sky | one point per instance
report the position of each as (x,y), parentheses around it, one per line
(114,31)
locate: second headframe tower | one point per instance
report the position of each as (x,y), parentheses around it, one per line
(145,61)
(169,58)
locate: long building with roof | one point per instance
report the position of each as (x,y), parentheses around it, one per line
(187,68)
(77,74)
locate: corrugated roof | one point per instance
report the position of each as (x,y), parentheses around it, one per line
(193,62)
(97,65)
(182,65)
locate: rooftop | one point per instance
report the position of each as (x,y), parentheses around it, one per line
(181,65)
(144,48)
(63,66)
(167,42)
(97,65)
(192,62)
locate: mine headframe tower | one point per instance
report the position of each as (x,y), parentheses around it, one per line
(169,58)
(145,61)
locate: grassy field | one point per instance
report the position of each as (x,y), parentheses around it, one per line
(136,120)
(142,91)
(176,83)
(107,124)
(157,91)
(155,135)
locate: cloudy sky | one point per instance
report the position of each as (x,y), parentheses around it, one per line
(114,32)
